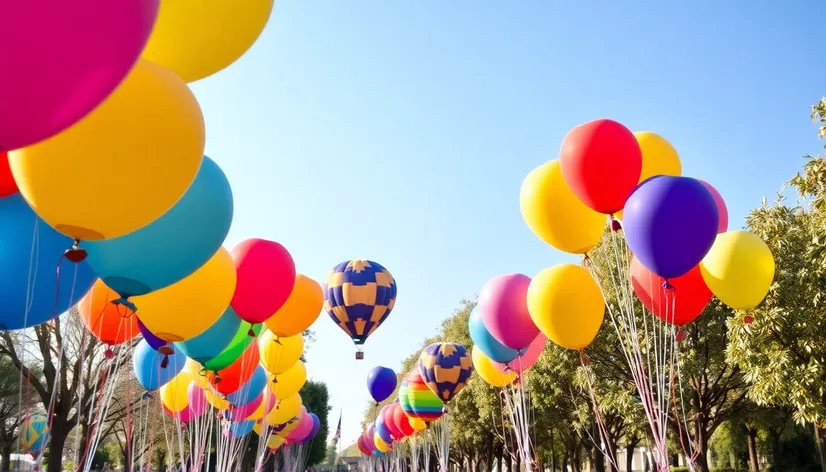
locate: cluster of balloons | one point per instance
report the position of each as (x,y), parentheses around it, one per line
(359,295)
(676,228)
(443,371)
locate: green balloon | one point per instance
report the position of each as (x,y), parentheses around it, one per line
(235,349)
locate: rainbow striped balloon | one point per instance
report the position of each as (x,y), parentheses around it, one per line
(425,404)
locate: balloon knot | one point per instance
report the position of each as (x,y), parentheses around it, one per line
(615,225)
(125,302)
(583,358)
(75,253)
(748,319)
(109,353)
(667,285)
(444,410)
(165,361)
(680,336)
(251,332)
(147,395)
(217,378)
(586,260)
(275,379)
(277,340)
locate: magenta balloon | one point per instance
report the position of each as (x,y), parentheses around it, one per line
(197,400)
(241,412)
(722,225)
(368,438)
(526,360)
(60,59)
(302,430)
(503,307)
(186,415)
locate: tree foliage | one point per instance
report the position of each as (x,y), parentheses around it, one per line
(316,399)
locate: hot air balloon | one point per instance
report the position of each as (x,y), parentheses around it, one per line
(421,401)
(445,368)
(359,295)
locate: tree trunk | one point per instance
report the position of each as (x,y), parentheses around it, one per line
(629,457)
(701,447)
(820,439)
(6,460)
(774,446)
(57,441)
(553,452)
(752,440)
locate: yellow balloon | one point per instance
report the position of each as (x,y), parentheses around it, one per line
(275,441)
(174,394)
(658,157)
(290,382)
(123,165)
(380,444)
(489,373)
(285,429)
(267,403)
(190,306)
(215,400)
(277,356)
(195,369)
(566,304)
(285,410)
(417,424)
(197,38)
(739,269)
(301,309)
(555,214)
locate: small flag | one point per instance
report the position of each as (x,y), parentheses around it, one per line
(338,429)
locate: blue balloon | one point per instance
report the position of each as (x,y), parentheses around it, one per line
(316,427)
(148,362)
(30,251)
(383,432)
(214,340)
(381,383)
(241,429)
(487,343)
(173,246)
(251,389)
(670,223)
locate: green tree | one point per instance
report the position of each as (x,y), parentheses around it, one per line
(316,399)
(10,413)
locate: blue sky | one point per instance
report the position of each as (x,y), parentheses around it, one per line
(401,131)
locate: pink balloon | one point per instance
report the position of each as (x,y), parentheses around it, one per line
(266,277)
(503,307)
(60,59)
(526,360)
(302,430)
(197,400)
(241,412)
(184,416)
(722,225)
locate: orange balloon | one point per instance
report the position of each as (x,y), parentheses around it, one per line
(112,324)
(237,374)
(300,310)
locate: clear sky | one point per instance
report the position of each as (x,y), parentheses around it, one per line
(400,131)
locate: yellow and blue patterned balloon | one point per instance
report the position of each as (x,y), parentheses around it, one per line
(35,434)
(445,368)
(359,295)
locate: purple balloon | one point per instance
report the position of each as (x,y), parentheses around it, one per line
(368,438)
(670,224)
(503,307)
(316,426)
(381,383)
(153,341)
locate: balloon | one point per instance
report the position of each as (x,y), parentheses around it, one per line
(268,402)
(241,412)
(446,368)
(382,431)
(362,448)
(7,184)
(112,324)
(601,161)
(31,251)
(670,224)
(175,393)
(658,158)
(67,58)
(739,269)
(417,424)
(401,421)
(404,398)
(187,308)
(197,372)
(239,343)
(316,426)
(286,409)
(486,342)
(274,442)
(300,310)
(527,359)
(679,306)
(302,430)
(359,295)
(489,373)
(184,416)
(216,338)
(230,379)
(290,382)
(165,251)
(216,401)
(250,389)
(278,356)
(239,430)
(155,342)
(284,429)
(389,417)
(381,445)
(197,39)
(139,151)
(555,214)
(196,397)
(149,368)
(567,305)
(722,210)
(35,434)
(266,276)
(381,383)
(424,404)
(369,438)
(504,311)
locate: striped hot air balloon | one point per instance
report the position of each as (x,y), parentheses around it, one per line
(446,369)
(424,404)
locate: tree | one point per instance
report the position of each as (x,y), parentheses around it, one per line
(316,399)
(10,414)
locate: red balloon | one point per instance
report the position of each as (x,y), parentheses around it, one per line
(679,306)
(266,277)
(601,162)
(7,184)
(230,379)
(722,211)
(402,421)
